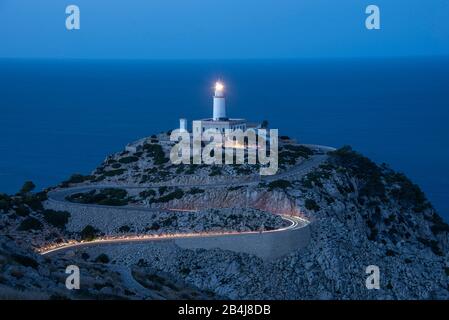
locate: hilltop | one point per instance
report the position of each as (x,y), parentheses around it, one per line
(360,214)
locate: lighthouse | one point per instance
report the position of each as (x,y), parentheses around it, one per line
(219,113)
(219,120)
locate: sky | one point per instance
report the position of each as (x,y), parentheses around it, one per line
(223,29)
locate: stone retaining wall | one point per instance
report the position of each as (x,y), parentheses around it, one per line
(268,246)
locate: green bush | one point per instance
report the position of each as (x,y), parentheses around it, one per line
(369,174)
(30,224)
(314,179)
(124,229)
(56,218)
(438,224)
(154,227)
(113,173)
(89,233)
(310,204)
(147,193)
(102,258)
(215,171)
(195,190)
(279,184)
(22,211)
(25,261)
(28,186)
(78,178)
(33,201)
(162,190)
(177,194)
(191,169)
(106,197)
(292,153)
(5,202)
(407,193)
(129,159)
(156,152)
(432,244)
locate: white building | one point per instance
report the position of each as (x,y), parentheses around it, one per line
(219,120)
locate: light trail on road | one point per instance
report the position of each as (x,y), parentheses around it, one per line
(296,223)
(59,195)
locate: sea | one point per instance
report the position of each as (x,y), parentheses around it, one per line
(59,117)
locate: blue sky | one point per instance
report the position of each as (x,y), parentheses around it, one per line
(226,29)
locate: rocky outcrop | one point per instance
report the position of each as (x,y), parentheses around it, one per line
(362,214)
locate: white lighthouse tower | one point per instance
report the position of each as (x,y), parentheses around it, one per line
(183,125)
(219,121)
(219,103)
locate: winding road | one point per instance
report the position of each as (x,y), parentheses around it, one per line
(59,195)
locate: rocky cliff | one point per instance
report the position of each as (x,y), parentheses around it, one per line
(361,214)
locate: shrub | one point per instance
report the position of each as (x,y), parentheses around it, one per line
(147,193)
(310,204)
(156,152)
(89,233)
(102,258)
(113,173)
(56,218)
(314,179)
(5,202)
(28,186)
(162,190)
(408,193)
(41,196)
(124,229)
(368,173)
(241,170)
(154,227)
(196,191)
(30,224)
(432,244)
(25,261)
(215,171)
(106,197)
(4,205)
(177,194)
(191,169)
(292,153)
(78,178)
(279,184)
(129,159)
(33,201)
(22,211)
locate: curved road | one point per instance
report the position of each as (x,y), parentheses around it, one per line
(295,223)
(60,195)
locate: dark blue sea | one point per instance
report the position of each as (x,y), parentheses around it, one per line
(64,117)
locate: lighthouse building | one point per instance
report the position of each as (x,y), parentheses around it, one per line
(219,120)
